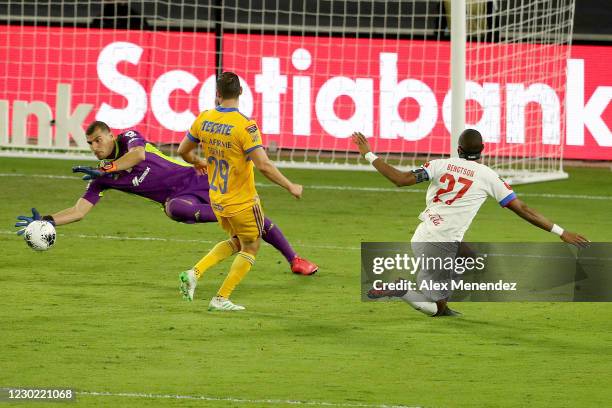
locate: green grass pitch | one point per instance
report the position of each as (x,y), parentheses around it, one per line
(100,312)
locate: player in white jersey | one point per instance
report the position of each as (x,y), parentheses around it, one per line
(458,187)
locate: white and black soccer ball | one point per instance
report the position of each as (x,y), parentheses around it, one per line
(40,235)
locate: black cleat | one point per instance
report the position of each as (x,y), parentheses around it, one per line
(450,312)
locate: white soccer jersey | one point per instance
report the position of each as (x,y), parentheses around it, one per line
(457,189)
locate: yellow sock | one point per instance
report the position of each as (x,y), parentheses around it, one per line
(220,251)
(240,267)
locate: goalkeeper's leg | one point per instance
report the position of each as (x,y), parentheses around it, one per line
(189,209)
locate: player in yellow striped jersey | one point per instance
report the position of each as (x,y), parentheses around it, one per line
(231,144)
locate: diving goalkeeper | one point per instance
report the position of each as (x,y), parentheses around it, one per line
(132,165)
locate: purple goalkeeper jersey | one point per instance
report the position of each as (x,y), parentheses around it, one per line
(158,177)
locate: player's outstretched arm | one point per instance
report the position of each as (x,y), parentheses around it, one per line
(267,168)
(134,156)
(534,217)
(187,151)
(397,177)
(127,161)
(72,214)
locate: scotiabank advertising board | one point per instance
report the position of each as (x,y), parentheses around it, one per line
(305,92)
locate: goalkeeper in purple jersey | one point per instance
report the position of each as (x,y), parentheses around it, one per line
(132,165)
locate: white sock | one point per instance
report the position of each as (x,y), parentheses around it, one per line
(428,308)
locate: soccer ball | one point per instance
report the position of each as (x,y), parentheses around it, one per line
(39,235)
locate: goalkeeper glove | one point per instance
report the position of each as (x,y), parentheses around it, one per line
(95,172)
(24,221)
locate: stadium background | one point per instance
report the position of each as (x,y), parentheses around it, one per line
(152,65)
(100,312)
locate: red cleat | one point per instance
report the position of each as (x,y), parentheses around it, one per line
(302,266)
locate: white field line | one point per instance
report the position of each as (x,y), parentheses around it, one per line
(351,188)
(237,400)
(46,176)
(330,247)
(160,239)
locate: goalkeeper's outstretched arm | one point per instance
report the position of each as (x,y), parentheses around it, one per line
(397,177)
(134,156)
(74,213)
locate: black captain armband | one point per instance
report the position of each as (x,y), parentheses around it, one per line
(420,174)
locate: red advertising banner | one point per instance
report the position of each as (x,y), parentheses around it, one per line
(589,113)
(305,92)
(311,92)
(152,81)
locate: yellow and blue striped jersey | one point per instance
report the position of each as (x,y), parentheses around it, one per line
(227,137)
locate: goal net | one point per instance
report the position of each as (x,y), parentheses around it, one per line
(312,71)
(516,60)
